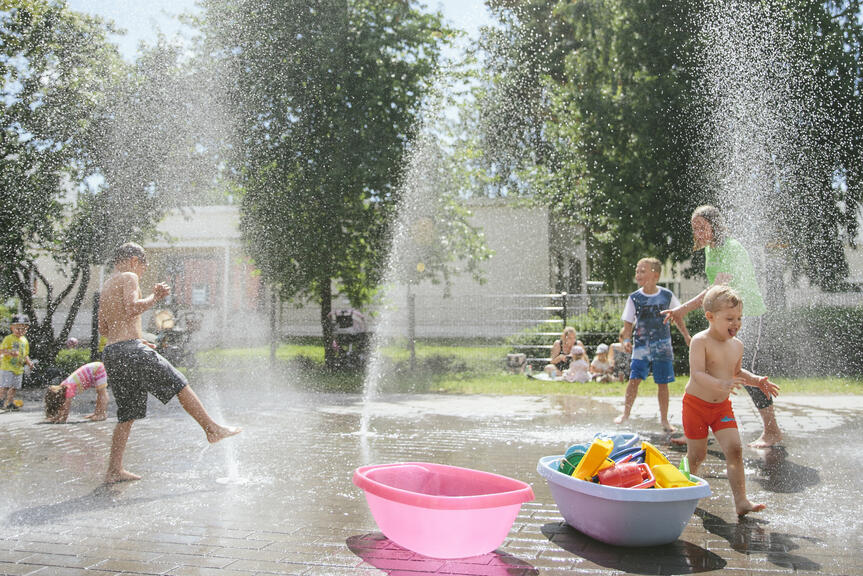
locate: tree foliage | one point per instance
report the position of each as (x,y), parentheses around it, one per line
(619,138)
(90,153)
(329,96)
(55,67)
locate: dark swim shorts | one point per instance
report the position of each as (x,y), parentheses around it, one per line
(133,370)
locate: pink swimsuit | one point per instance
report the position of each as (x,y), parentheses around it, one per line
(88,376)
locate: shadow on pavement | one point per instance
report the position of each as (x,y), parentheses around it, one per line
(778,474)
(379,551)
(749,535)
(679,557)
(102,498)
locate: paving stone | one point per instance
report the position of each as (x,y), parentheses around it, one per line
(292,508)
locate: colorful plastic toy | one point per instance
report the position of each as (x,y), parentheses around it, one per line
(684,467)
(633,455)
(668,476)
(573,456)
(622,516)
(652,455)
(629,475)
(595,459)
(624,442)
(442,511)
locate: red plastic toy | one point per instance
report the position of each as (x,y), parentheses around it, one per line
(628,475)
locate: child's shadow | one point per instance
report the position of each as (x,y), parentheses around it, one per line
(104,497)
(778,474)
(749,536)
(679,557)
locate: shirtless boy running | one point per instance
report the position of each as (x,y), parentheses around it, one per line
(715,357)
(134,367)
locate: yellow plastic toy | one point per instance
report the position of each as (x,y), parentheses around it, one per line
(595,459)
(652,456)
(669,476)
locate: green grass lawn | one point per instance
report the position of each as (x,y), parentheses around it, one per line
(465,370)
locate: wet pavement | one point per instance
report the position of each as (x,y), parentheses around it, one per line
(278,499)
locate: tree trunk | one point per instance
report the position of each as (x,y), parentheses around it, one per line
(44,345)
(326,300)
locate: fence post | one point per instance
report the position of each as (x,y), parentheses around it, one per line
(94,330)
(273,330)
(412,325)
(563,311)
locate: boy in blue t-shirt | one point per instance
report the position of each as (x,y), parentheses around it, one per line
(650,342)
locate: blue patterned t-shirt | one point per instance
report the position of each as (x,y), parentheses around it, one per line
(651,337)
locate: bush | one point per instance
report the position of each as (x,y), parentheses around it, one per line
(814,341)
(69,360)
(798,342)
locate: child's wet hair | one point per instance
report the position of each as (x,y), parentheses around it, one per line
(128,251)
(654,264)
(721,297)
(55,397)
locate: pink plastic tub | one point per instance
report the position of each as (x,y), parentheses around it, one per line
(442,511)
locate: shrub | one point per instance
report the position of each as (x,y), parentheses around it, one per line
(813,341)
(69,360)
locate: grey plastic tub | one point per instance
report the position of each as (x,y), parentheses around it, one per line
(622,516)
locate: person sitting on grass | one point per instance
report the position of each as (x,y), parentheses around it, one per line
(579,369)
(601,369)
(715,358)
(561,352)
(58,398)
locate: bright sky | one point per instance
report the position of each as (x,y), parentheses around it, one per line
(142,19)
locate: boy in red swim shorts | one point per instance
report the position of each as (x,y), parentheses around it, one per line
(715,357)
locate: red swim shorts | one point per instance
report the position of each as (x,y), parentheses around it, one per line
(700,415)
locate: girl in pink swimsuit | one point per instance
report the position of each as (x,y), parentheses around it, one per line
(58,398)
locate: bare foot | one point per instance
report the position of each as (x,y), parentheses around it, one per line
(667,427)
(621,419)
(747,507)
(679,441)
(221,432)
(766,440)
(121,476)
(96,417)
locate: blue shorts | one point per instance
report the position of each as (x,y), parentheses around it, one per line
(663,370)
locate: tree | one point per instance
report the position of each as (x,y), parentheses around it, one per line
(56,66)
(780,112)
(93,152)
(626,134)
(328,96)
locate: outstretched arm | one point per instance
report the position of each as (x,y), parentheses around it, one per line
(679,313)
(132,301)
(761,382)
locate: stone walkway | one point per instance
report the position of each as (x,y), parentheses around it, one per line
(278,499)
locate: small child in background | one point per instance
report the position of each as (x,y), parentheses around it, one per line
(58,399)
(715,358)
(620,358)
(14,355)
(601,369)
(579,369)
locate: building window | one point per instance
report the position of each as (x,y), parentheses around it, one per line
(200,295)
